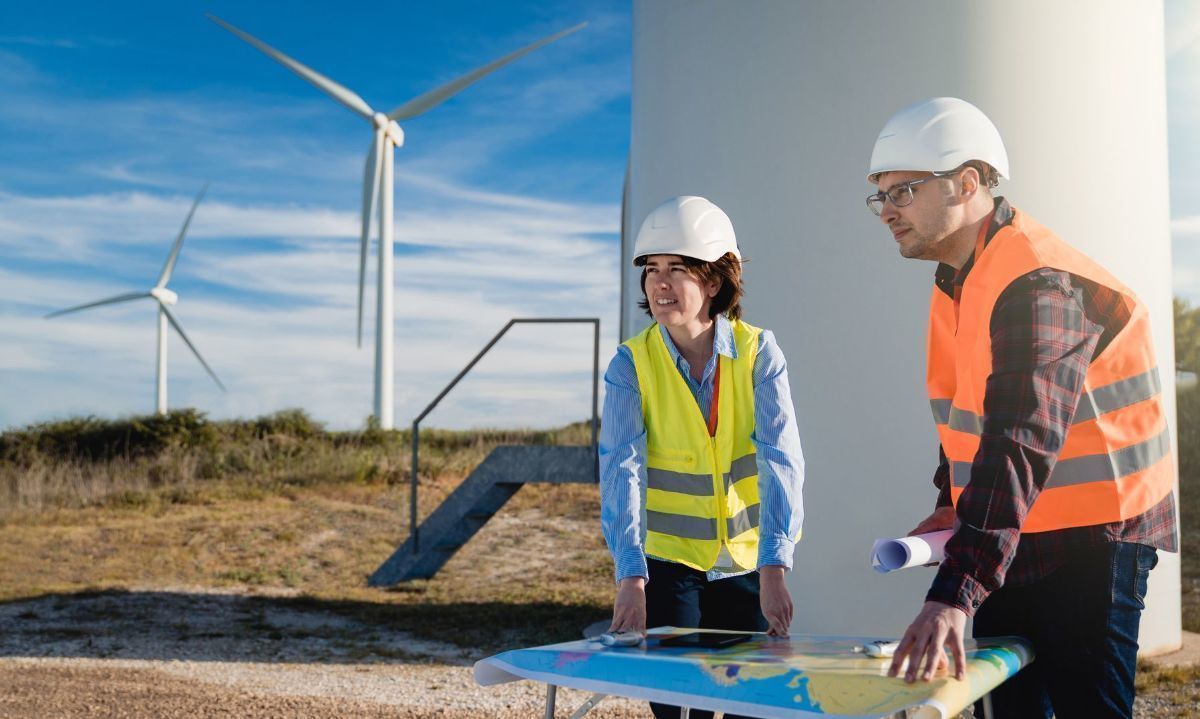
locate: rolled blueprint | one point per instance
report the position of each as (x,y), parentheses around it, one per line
(888,555)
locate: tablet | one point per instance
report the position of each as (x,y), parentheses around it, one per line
(703,640)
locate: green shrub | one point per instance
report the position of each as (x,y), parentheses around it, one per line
(1188,441)
(95,440)
(289,423)
(125,462)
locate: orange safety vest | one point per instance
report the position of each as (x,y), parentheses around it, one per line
(1116,460)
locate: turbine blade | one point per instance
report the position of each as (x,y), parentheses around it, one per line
(106,301)
(169,267)
(338,92)
(371,179)
(625,203)
(435,97)
(175,323)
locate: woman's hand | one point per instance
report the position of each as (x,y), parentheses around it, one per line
(629,610)
(775,600)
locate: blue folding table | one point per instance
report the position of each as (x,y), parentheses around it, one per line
(796,677)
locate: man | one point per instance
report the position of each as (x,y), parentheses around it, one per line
(1056,470)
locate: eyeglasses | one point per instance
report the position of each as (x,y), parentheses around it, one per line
(901,195)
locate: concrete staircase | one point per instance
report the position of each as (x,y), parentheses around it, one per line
(476,500)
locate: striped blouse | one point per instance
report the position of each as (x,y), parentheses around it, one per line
(776,439)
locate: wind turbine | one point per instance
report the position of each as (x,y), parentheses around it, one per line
(377,186)
(165,298)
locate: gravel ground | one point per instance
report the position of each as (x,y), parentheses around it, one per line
(1162,706)
(196,653)
(91,688)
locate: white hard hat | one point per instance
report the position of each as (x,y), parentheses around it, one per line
(937,135)
(689,226)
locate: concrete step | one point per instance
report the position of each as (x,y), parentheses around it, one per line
(483,493)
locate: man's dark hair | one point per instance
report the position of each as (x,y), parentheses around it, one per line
(987,174)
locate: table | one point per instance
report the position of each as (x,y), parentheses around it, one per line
(795,677)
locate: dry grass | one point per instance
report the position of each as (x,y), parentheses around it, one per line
(1188,447)
(183,458)
(280,506)
(1189,500)
(512,584)
(1176,690)
(309,519)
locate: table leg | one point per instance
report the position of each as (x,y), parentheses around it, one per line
(987,706)
(551,693)
(587,706)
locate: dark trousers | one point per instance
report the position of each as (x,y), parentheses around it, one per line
(680,596)
(1083,622)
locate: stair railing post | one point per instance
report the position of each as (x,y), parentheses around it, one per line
(596,395)
(412,516)
(416,425)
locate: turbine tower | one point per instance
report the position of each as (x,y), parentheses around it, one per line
(165,298)
(788,162)
(378,187)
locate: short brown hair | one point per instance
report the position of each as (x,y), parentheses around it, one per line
(987,174)
(727,269)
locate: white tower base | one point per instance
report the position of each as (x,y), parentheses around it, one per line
(771,110)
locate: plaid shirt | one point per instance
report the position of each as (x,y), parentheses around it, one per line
(1046,328)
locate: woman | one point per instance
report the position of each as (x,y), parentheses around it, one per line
(700,462)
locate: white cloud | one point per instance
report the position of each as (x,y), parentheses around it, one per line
(1182,28)
(126,172)
(479,264)
(1185,227)
(268,289)
(249,140)
(16,71)
(64,43)
(1186,284)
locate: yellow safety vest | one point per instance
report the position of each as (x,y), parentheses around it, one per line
(701,491)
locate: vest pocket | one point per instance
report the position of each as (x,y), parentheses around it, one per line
(671,456)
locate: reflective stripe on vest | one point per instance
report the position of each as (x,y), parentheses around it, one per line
(1092,468)
(1116,460)
(701,491)
(700,484)
(1092,403)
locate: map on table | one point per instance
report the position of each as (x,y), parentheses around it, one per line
(793,677)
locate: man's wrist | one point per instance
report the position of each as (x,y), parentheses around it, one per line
(960,591)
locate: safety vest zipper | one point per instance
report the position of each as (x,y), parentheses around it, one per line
(719,493)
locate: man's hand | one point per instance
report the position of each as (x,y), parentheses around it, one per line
(629,610)
(924,643)
(942,518)
(775,600)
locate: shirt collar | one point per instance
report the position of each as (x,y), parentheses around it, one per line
(723,343)
(946,277)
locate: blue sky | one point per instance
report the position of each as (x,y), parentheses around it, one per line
(1183,134)
(112,116)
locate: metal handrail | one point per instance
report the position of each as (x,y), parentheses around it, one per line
(416,428)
